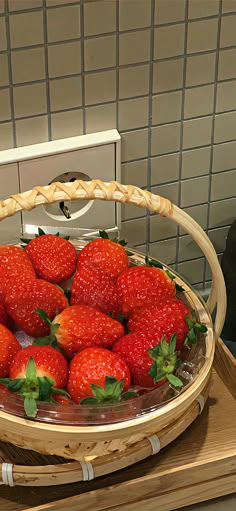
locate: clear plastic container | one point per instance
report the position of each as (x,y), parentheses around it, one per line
(149,400)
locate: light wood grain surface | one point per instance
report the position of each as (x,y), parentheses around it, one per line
(198,466)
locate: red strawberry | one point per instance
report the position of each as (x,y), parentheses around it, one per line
(15,267)
(21,304)
(4,390)
(143,285)
(36,372)
(139,350)
(133,348)
(165,319)
(62,399)
(48,361)
(94,373)
(9,346)
(92,287)
(4,317)
(110,257)
(53,258)
(81,327)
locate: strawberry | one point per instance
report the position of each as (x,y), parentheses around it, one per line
(4,390)
(4,317)
(36,372)
(49,362)
(9,346)
(168,318)
(62,399)
(79,327)
(98,374)
(92,287)
(143,285)
(107,255)
(53,258)
(139,350)
(133,349)
(15,267)
(22,302)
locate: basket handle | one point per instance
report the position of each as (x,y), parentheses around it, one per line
(114,191)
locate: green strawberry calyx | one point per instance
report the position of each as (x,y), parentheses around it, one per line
(123,243)
(41,233)
(33,388)
(105,236)
(112,392)
(165,362)
(194,328)
(48,340)
(156,264)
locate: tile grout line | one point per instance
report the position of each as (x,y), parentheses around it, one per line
(28,10)
(181,145)
(127,220)
(160,93)
(192,178)
(191,148)
(122,66)
(130,130)
(8,37)
(131,64)
(213,128)
(149,162)
(82,65)
(72,75)
(157,25)
(47,82)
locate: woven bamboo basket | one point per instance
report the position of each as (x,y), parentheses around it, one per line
(106,448)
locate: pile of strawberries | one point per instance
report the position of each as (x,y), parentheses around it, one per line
(116,325)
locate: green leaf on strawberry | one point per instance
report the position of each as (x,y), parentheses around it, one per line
(48,340)
(194,328)
(105,236)
(153,262)
(173,277)
(43,315)
(111,393)
(165,362)
(15,385)
(30,406)
(31,372)
(25,240)
(176,382)
(123,243)
(41,232)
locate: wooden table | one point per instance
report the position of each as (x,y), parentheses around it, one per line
(198,466)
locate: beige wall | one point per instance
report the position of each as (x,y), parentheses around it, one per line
(163,72)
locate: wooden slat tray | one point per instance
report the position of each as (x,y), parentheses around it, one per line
(199,465)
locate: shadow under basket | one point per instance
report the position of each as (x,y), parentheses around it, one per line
(35,451)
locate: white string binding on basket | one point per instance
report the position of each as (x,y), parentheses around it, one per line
(201,402)
(7,474)
(155,443)
(87,469)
